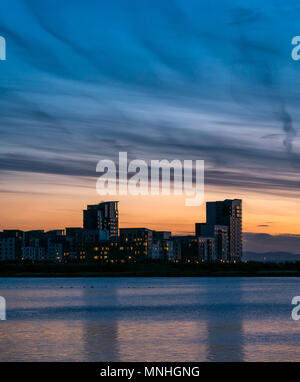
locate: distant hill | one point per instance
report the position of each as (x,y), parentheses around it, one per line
(271,257)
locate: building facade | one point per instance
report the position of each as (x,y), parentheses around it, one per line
(102,217)
(219,233)
(228,213)
(140,236)
(193,249)
(8,249)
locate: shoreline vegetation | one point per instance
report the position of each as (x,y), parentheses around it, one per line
(150,269)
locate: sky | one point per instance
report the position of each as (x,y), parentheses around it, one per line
(207,80)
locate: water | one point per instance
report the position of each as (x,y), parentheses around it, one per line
(149,319)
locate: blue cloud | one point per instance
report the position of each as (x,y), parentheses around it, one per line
(201,80)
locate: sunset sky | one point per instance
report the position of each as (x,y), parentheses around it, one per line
(192,79)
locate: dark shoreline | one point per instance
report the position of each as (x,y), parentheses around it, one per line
(151,269)
(133,275)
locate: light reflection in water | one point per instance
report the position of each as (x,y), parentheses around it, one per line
(225,340)
(149,319)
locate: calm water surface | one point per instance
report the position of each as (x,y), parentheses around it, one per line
(149,319)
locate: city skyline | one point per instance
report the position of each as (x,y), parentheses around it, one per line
(213,83)
(99,238)
(256,242)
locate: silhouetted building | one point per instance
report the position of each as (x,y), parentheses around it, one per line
(13,233)
(55,251)
(11,244)
(74,239)
(163,250)
(161,235)
(76,233)
(55,234)
(8,249)
(116,250)
(56,241)
(36,253)
(193,249)
(162,246)
(35,245)
(228,213)
(142,237)
(102,217)
(219,233)
(220,239)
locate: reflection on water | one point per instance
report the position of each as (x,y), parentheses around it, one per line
(225,334)
(149,319)
(101,337)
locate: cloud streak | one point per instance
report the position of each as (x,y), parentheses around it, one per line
(189,81)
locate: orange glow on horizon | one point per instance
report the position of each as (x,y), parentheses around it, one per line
(55,202)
